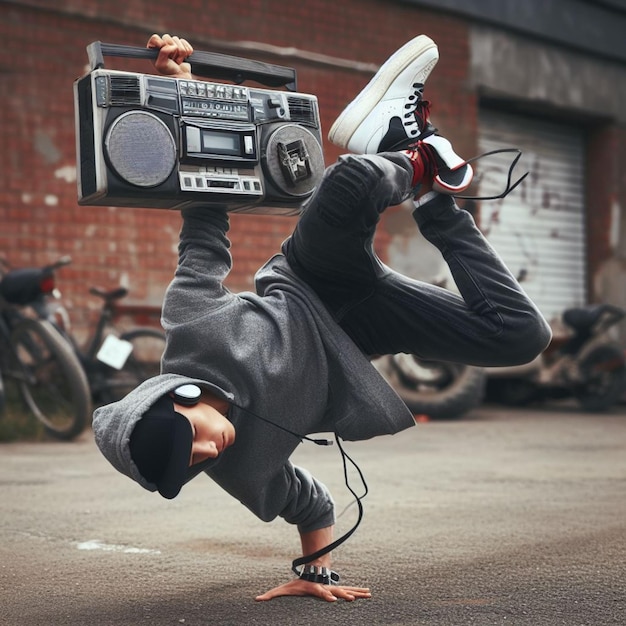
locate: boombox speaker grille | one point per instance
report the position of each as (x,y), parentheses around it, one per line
(140,149)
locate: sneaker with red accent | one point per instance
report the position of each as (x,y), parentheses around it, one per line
(390,113)
(434,160)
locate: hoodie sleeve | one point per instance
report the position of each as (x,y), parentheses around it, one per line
(309,503)
(204,262)
(291,493)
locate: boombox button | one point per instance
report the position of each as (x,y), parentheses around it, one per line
(246,185)
(257,185)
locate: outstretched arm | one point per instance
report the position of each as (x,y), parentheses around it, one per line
(312,542)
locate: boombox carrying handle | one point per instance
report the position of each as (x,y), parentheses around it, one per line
(206,64)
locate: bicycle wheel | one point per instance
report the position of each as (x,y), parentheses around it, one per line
(143,362)
(51,379)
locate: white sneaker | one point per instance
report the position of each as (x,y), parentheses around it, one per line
(390,112)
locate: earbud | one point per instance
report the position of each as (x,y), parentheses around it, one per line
(186,395)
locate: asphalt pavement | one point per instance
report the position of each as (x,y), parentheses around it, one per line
(503,517)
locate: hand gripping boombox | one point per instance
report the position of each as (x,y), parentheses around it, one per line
(152,141)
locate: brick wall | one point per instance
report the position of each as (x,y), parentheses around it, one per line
(40,219)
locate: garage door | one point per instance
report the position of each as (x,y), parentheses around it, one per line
(539,229)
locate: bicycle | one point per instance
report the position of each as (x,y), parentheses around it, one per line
(114,361)
(36,361)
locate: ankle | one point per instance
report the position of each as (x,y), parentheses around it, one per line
(422,189)
(424,167)
(419,168)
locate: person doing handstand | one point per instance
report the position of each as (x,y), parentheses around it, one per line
(296,352)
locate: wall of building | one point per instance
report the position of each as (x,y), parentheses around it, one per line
(563,60)
(334,46)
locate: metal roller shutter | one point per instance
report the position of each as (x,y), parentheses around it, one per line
(539,228)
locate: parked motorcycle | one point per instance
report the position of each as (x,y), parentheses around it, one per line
(586,365)
(437,389)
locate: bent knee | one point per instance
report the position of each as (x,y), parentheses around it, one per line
(526,342)
(349,190)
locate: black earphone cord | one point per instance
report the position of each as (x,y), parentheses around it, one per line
(509,186)
(345,458)
(316,555)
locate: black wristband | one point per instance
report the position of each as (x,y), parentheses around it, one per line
(317,574)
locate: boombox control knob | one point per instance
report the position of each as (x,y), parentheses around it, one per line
(293,160)
(277,104)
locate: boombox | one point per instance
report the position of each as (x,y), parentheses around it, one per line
(151,141)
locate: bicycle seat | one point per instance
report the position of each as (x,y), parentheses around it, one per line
(114,294)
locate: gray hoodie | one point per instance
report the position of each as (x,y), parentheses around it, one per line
(276,353)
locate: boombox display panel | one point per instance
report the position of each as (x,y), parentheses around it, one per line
(158,142)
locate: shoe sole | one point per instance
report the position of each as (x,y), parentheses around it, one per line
(355,113)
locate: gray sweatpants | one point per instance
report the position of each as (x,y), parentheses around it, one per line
(492,322)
